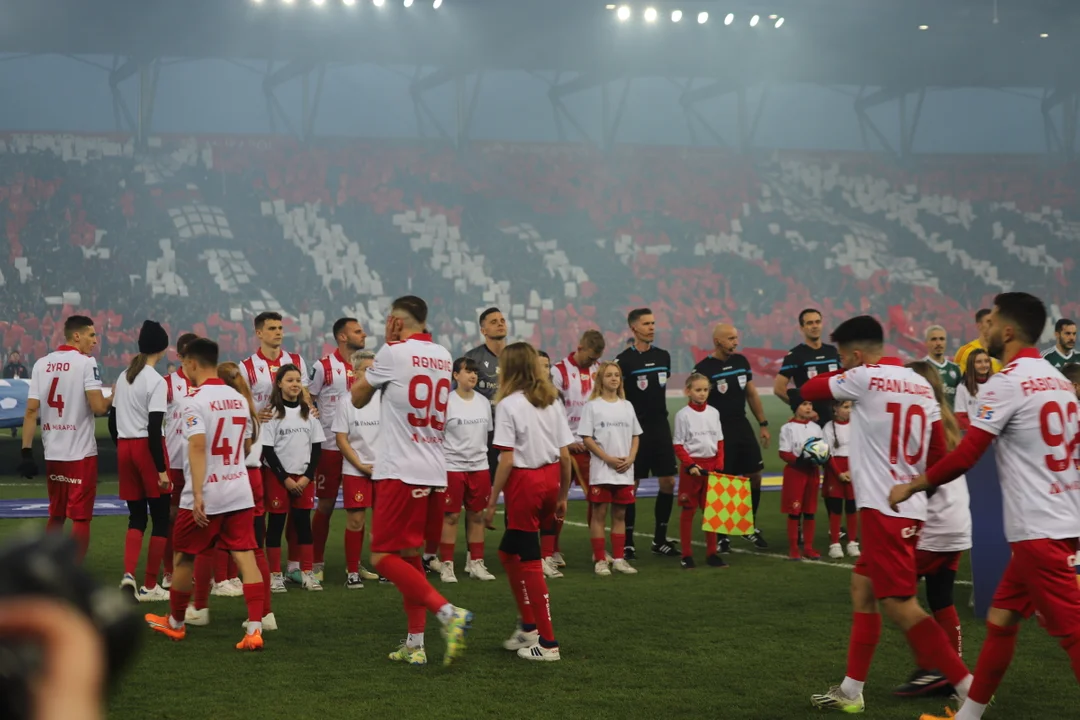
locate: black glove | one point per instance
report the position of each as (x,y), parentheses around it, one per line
(27,466)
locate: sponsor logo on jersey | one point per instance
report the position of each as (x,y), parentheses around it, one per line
(985,413)
(358,497)
(663,379)
(643,382)
(421,492)
(65,479)
(910,531)
(742,381)
(57,427)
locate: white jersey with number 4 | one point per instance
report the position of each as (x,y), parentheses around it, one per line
(890,432)
(59,381)
(222,415)
(414,375)
(1032,410)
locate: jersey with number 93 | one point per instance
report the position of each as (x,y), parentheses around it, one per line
(414,375)
(221,414)
(891,423)
(1031,409)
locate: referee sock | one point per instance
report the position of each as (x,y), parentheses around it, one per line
(755,499)
(662,511)
(631,516)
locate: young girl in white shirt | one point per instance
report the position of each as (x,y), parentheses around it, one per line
(978,371)
(610,430)
(699,445)
(292,440)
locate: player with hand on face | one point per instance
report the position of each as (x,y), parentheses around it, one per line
(798,497)
(699,445)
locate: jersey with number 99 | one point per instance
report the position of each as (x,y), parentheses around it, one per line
(59,382)
(414,376)
(221,414)
(1031,408)
(890,432)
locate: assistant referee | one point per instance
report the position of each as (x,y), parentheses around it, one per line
(731,387)
(646,370)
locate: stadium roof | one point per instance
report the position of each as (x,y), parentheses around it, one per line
(833,42)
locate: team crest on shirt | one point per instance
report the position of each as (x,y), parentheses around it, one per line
(663,379)
(594,490)
(642,382)
(742,381)
(358,497)
(811,372)
(721,386)
(796,507)
(276,503)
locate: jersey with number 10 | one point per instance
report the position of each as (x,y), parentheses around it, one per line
(222,415)
(414,375)
(59,382)
(890,432)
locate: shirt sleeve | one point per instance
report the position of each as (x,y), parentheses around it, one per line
(749,371)
(341,418)
(34,392)
(787,441)
(850,384)
(317,434)
(305,375)
(159,396)
(381,372)
(505,431)
(681,436)
(556,378)
(585,425)
(91,375)
(316,378)
(997,401)
(788,365)
(194,423)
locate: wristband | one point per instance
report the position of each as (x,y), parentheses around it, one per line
(27,453)
(763,424)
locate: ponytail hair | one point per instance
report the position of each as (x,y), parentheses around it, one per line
(138,362)
(519,368)
(948,418)
(229,373)
(277,400)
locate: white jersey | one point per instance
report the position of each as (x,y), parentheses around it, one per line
(613,426)
(222,415)
(890,432)
(254,457)
(362,427)
(1031,408)
(948,519)
(414,375)
(965,402)
(838,436)
(698,431)
(535,435)
(468,423)
(177,389)
(261,370)
(134,402)
(331,380)
(575,384)
(794,434)
(60,381)
(292,437)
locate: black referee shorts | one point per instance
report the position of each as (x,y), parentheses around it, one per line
(656,454)
(742,454)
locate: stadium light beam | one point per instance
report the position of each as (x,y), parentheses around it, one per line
(754,20)
(286,2)
(408,3)
(1044,35)
(623,13)
(729,19)
(349,3)
(779,23)
(702,18)
(378,3)
(650,15)
(436,5)
(924,27)
(676,15)
(318,2)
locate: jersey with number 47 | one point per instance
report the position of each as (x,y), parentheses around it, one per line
(221,414)
(891,426)
(1031,408)
(59,382)
(414,375)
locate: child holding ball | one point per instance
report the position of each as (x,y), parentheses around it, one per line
(798,498)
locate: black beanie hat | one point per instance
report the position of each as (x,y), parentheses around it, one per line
(794,400)
(152,338)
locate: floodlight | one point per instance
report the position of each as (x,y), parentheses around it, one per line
(729,19)
(609,6)
(773,16)
(436,5)
(318,2)
(676,15)
(379,3)
(702,18)
(779,23)
(754,20)
(624,12)
(287,2)
(1044,35)
(650,14)
(924,27)
(257,2)
(408,3)
(349,3)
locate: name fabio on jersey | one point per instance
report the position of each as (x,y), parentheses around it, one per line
(1046,384)
(896,385)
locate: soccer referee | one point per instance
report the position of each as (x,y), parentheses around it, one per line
(486,357)
(806,360)
(646,370)
(731,387)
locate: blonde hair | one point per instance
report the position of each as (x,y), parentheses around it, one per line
(598,385)
(948,418)
(519,369)
(230,374)
(693,378)
(359,356)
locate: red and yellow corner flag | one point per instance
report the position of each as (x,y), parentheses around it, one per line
(727,506)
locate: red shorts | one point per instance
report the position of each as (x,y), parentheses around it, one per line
(256,479)
(582,475)
(694,488)
(72,488)
(1041,578)
(400,515)
(135,466)
(929,562)
(176,477)
(530,496)
(278,500)
(888,553)
(833,486)
(469,489)
(799,493)
(328,474)
(228,531)
(617,494)
(357,490)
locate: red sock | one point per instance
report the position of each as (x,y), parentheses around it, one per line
(80,531)
(853,526)
(865,633)
(618,546)
(558,532)
(273,558)
(204,572)
(1071,646)
(793,537)
(834,528)
(446,552)
(950,623)
(537,591)
(929,641)
(997,653)
(290,539)
(710,543)
(476,550)
(54,524)
(153,560)
(255,600)
(686,531)
(132,550)
(597,549)
(264,570)
(320,531)
(512,565)
(221,565)
(415,613)
(808,527)
(167,555)
(547,545)
(307,557)
(354,544)
(178,602)
(410,581)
